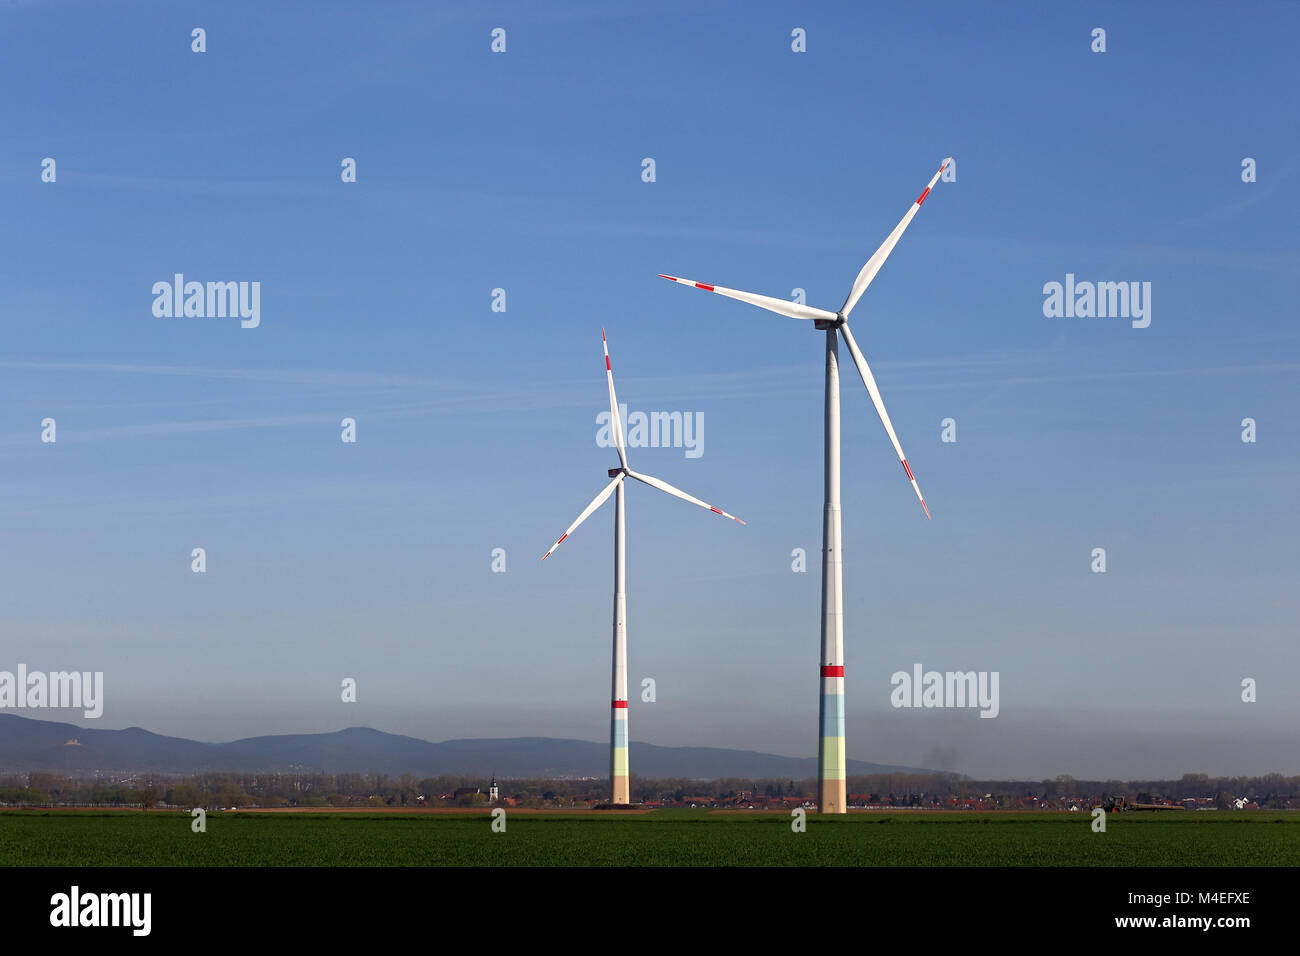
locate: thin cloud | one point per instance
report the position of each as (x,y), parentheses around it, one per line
(463,400)
(278,376)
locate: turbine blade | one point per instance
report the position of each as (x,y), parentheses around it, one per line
(664,486)
(880,255)
(614,422)
(595,503)
(869,380)
(780,306)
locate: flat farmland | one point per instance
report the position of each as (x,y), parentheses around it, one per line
(655,838)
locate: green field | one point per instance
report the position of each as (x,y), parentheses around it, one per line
(692,838)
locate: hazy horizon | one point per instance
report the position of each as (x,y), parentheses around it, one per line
(961,751)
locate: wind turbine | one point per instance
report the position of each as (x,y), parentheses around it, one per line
(832,797)
(618,767)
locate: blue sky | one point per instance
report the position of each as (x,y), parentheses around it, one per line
(476,430)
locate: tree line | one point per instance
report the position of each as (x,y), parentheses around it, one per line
(1272,791)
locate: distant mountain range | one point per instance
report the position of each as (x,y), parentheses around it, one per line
(27,744)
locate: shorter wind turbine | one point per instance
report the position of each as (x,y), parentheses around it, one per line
(618,766)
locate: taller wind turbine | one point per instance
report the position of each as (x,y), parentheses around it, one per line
(832,797)
(618,765)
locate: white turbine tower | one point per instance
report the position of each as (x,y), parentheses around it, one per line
(832,797)
(618,766)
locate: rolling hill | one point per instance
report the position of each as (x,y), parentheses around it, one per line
(27,744)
